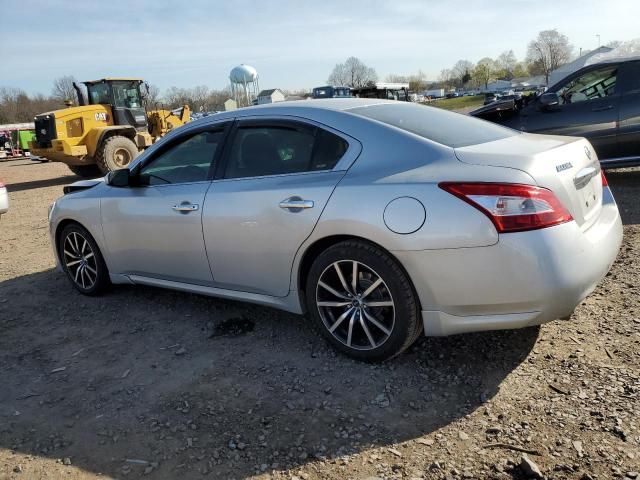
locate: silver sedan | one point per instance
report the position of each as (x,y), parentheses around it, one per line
(379,219)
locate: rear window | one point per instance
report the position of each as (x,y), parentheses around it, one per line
(451,129)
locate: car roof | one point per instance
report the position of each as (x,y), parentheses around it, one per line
(300,107)
(338,104)
(605,61)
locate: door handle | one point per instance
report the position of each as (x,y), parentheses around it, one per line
(296,203)
(602,109)
(584,176)
(185,207)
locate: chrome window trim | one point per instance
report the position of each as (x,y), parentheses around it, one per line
(178,140)
(353,151)
(176,135)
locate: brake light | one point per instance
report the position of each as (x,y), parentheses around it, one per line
(605,183)
(512,207)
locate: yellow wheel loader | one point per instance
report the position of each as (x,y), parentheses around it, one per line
(108,133)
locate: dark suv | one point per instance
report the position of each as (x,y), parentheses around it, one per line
(600,102)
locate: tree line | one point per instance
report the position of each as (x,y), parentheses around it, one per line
(545,53)
(17,106)
(549,50)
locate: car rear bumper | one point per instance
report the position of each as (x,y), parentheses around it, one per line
(527,278)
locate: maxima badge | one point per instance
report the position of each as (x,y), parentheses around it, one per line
(563,166)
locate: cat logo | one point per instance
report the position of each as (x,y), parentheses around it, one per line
(101,117)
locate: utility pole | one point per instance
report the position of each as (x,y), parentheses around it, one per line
(598,35)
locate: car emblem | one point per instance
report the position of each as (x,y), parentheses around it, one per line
(563,166)
(588,152)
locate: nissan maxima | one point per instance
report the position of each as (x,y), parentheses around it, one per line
(378,219)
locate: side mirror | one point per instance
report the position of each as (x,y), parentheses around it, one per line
(549,100)
(119,178)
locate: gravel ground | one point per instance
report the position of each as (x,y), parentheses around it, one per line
(151,383)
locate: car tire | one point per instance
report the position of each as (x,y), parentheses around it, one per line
(376,320)
(117,152)
(86,171)
(82,261)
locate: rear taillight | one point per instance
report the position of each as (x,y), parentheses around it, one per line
(512,207)
(604,179)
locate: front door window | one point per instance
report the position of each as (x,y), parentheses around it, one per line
(590,86)
(187,161)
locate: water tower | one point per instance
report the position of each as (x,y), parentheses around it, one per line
(244,84)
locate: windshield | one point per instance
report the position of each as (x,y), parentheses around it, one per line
(451,129)
(127,94)
(99,93)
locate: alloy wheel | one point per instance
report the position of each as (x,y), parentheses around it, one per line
(355,305)
(80,260)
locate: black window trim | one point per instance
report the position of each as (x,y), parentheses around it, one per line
(353,146)
(225,127)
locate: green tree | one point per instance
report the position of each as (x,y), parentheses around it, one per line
(484,71)
(506,64)
(520,70)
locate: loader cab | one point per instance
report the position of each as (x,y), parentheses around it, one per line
(124,97)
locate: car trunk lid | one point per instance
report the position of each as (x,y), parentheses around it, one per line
(568,166)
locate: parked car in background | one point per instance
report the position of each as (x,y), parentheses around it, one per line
(490,98)
(4,199)
(378,218)
(384,90)
(600,102)
(330,91)
(434,93)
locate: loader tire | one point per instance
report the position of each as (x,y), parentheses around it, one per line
(115,153)
(86,171)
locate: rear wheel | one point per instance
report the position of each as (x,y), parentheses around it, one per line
(85,171)
(115,153)
(82,261)
(362,301)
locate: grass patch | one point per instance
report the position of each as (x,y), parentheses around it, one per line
(458,102)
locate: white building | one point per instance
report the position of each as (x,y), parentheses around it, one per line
(230,104)
(568,68)
(270,96)
(528,82)
(498,86)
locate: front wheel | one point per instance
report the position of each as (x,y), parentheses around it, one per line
(117,152)
(82,261)
(363,301)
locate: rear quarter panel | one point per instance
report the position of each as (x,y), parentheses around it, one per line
(403,165)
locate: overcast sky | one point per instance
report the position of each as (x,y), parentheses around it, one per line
(292,44)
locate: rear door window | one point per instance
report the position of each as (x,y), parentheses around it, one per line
(282,148)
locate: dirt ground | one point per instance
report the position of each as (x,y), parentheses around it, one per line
(151,383)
